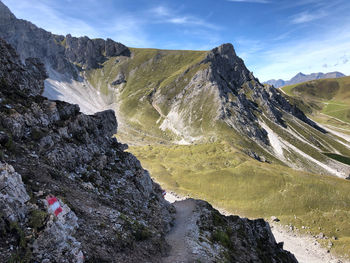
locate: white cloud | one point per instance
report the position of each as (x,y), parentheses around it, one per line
(165,15)
(46,16)
(161,11)
(123,28)
(303,55)
(305,17)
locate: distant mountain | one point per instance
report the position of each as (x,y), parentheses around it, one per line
(327,98)
(300,77)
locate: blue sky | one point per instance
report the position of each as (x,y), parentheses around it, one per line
(276,38)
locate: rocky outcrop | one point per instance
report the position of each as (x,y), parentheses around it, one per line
(29,77)
(63,54)
(13,194)
(91,52)
(230,75)
(239,239)
(120,79)
(208,236)
(111,209)
(231,93)
(113,204)
(56,240)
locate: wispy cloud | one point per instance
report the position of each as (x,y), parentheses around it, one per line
(45,15)
(251,1)
(166,15)
(124,27)
(129,27)
(307,16)
(303,55)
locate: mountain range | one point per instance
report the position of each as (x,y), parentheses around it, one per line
(199,121)
(69,192)
(300,77)
(200,97)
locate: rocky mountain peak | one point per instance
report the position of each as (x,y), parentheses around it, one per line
(63,54)
(92,52)
(5,13)
(228,70)
(226,49)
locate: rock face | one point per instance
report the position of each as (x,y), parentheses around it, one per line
(90,52)
(300,77)
(59,151)
(209,236)
(29,77)
(63,54)
(231,94)
(111,209)
(168,96)
(240,239)
(13,194)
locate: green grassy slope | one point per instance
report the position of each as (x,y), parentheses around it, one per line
(220,170)
(222,175)
(330,97)
(157,90)
(146,70)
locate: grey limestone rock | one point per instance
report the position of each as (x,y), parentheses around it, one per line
(65,54)
(13,195)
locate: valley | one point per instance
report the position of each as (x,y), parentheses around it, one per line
(165,111)
(202,125)
(230,180)
(175,119)
(328,100)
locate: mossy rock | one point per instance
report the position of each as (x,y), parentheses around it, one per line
(37,219)
(222,238)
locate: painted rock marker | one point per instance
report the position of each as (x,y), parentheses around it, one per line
(54,205)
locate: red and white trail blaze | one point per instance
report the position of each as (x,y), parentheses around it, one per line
(54,205)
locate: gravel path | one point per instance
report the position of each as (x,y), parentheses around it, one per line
(179,252)
(305,248)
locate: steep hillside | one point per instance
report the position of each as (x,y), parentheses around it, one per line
(211,96)
(300,77)
(228,179)
(203,125)
(108,208)
(325,101)
(186,97)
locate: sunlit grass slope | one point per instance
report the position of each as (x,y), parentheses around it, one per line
(145,71)
(330,97)
(229,179)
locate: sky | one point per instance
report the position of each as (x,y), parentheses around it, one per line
(276,38)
